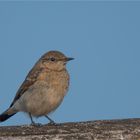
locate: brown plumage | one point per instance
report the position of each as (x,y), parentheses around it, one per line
(43,89)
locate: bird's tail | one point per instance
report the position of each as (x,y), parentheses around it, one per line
(6,115)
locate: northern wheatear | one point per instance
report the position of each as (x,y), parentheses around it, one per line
(43,89)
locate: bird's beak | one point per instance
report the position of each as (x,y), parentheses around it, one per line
(69,58)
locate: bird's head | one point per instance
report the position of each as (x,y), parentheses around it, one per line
(55,60)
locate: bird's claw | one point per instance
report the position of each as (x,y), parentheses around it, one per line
(36,124)
(52,123)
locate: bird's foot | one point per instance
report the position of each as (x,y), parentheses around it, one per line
(36,124)
(52,123)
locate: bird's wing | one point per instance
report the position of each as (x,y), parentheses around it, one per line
(29,80)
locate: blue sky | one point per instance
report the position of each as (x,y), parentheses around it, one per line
(104,39)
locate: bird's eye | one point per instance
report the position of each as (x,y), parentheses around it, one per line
(52,59)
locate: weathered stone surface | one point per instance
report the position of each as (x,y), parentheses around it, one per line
(127,129)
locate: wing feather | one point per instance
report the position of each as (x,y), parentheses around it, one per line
(29,80)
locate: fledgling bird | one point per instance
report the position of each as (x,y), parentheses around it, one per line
(43,89)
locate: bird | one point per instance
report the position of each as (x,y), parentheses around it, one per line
(43,89)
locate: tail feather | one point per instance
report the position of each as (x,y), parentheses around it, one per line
(4,116)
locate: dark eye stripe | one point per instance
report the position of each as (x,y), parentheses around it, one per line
(52,59)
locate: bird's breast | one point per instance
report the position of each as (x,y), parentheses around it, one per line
(53,95)
(58,81)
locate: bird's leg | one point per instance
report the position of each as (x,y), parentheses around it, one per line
(32,122)
(51,121)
